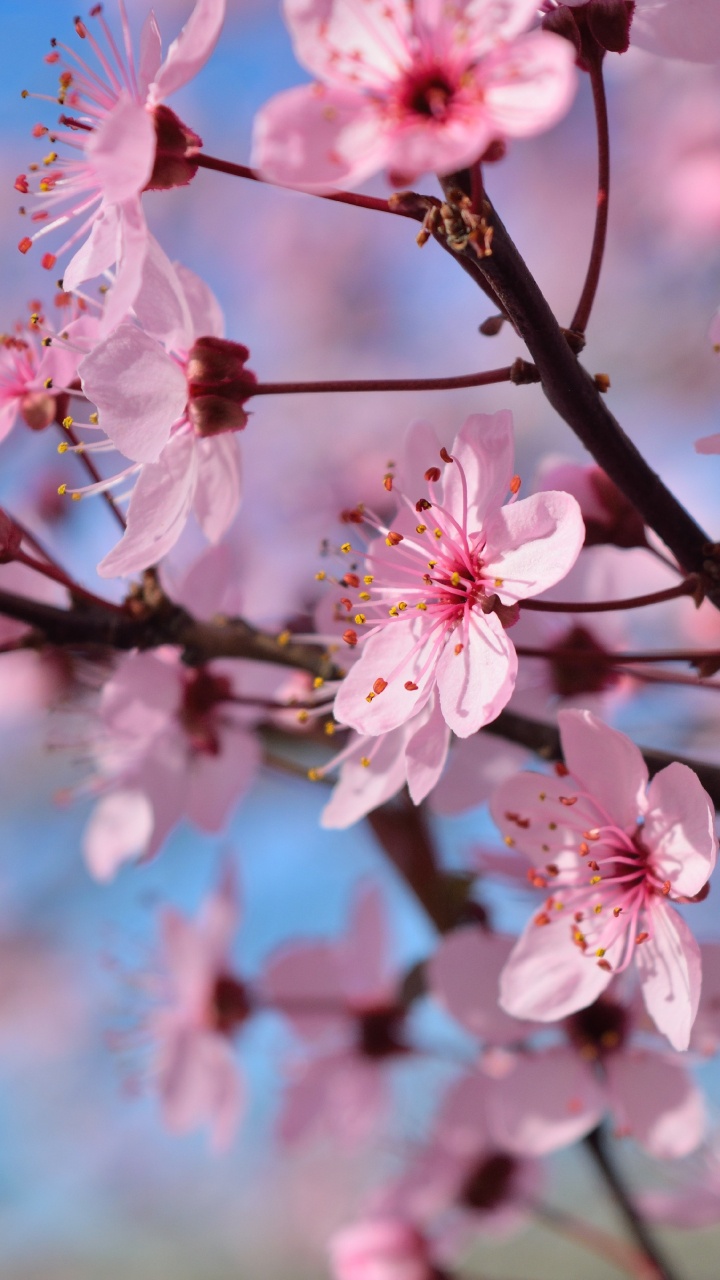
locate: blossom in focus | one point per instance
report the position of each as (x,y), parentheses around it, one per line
(126,141)
(169,392)
(381,1249)
(194,1066)
(612,853)
(408,88)
(443,583)
(342,999)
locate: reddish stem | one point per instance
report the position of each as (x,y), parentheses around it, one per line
(57,574)
(666,655)
(580,320)
(341,197)
(388,384)
(686,588)
(94,474)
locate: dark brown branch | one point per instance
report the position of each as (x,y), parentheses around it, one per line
(575,396)
(403,834)
(596,1143)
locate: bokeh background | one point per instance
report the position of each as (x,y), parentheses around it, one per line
(90,1184)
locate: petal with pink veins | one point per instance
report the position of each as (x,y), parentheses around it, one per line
(547,1101)
(420,145)
(217,782)
(131,260)
(528,85)
(317,138)
(548,977)
(219,477)
(122,150)
(678,29)
(670,969)
(205,312)
(139,391)
(476,683)
(150,55)
(96,254)
(484,448)
(679,829)
(476,767)
(361,788)
(158,511)
(349,48)
(426,750)
(655,1100)
(533,543)
(191,49)
(382,653)
(161,306)
(607,764)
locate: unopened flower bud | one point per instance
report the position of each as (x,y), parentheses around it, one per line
(174,164)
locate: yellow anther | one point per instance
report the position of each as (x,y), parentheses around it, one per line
(46,342)
(50,158)
(598,909)
(320,576)
(62,490)
(67,423)
(559,906)
(508,840)
(63,447)
(600,952)
(370,697)
(284,637)
(431,564)
(455,578)
(314,775)
(394,611)
(34,320)
(595,879)
(438,534)
(303,717)
(318,682)
(329,728)
(345,548)
(578,936)
(360,618)
(402,605)
(421,528)
(365,762)
(47,383)
(368,579)
(94,419)
(364,595)
(542,795)
(76,497)
(499,582)
(422,605)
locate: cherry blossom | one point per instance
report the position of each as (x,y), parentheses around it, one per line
(170,404)
(342,999)
(194,1066)
(126,139)
(381,1249)
(444,582)
(409,89)
(613,853)
(36,371)
(678,28)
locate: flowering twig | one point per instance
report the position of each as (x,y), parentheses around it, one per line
(597,1241)
(686,588)
(519,372)
(579,321)
(341,197)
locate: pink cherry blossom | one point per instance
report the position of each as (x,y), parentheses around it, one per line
(196,1073)
(607,514)
(342,999)
(380,1249)
(693,1198)
(613,853)
(126,139)
(408,88)
(445,579)
(169,396)
(678,29)
(36,371)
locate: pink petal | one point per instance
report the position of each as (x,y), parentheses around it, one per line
(426,751)
(200,1084)
(462,1123)
(529,811)
(655,1100)
(476,683)
(219,918)
(678,29)
(362,788)
(160,306)
(119,829)
(191,49)
(303,981)
(533,543)
(381,655)
(140,699)
(321,30)
(670,969)
(547,977)
(708,444)
(189,962)
(606,764)
(528,85)
(464,976)
(417,145)
(131,260)
(484,448)
(679,830)
(217,782)
(476,766)
(158,510)
(318,138)
(138,389)
(98,253)
(122,150)
(150,55)
(205,312)
(217,494)
(714,332)
(547,1101)
(364,952)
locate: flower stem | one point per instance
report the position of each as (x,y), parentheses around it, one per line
(399,384)
(580,320)
(686,588)
(340,197)
(596,1144)
(95,476)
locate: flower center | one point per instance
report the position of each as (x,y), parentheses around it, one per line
(379,1032)
(201,695)
(578,664)
(489,1183)
(230,1004)
(599,1030)
(428,92)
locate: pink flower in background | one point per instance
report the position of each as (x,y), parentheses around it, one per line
(608,515)
(381,1249)
(408,88)
(126,140)
(678,28)
(342,999)
(613,854)
(169,396)
(196,1072)
(444,581)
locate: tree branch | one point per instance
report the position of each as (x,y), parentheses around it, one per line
(596,1144)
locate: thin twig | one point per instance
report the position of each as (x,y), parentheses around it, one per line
(580,320)
(686,588)
(596,1143)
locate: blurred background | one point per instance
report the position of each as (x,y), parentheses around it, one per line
(90,1184)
